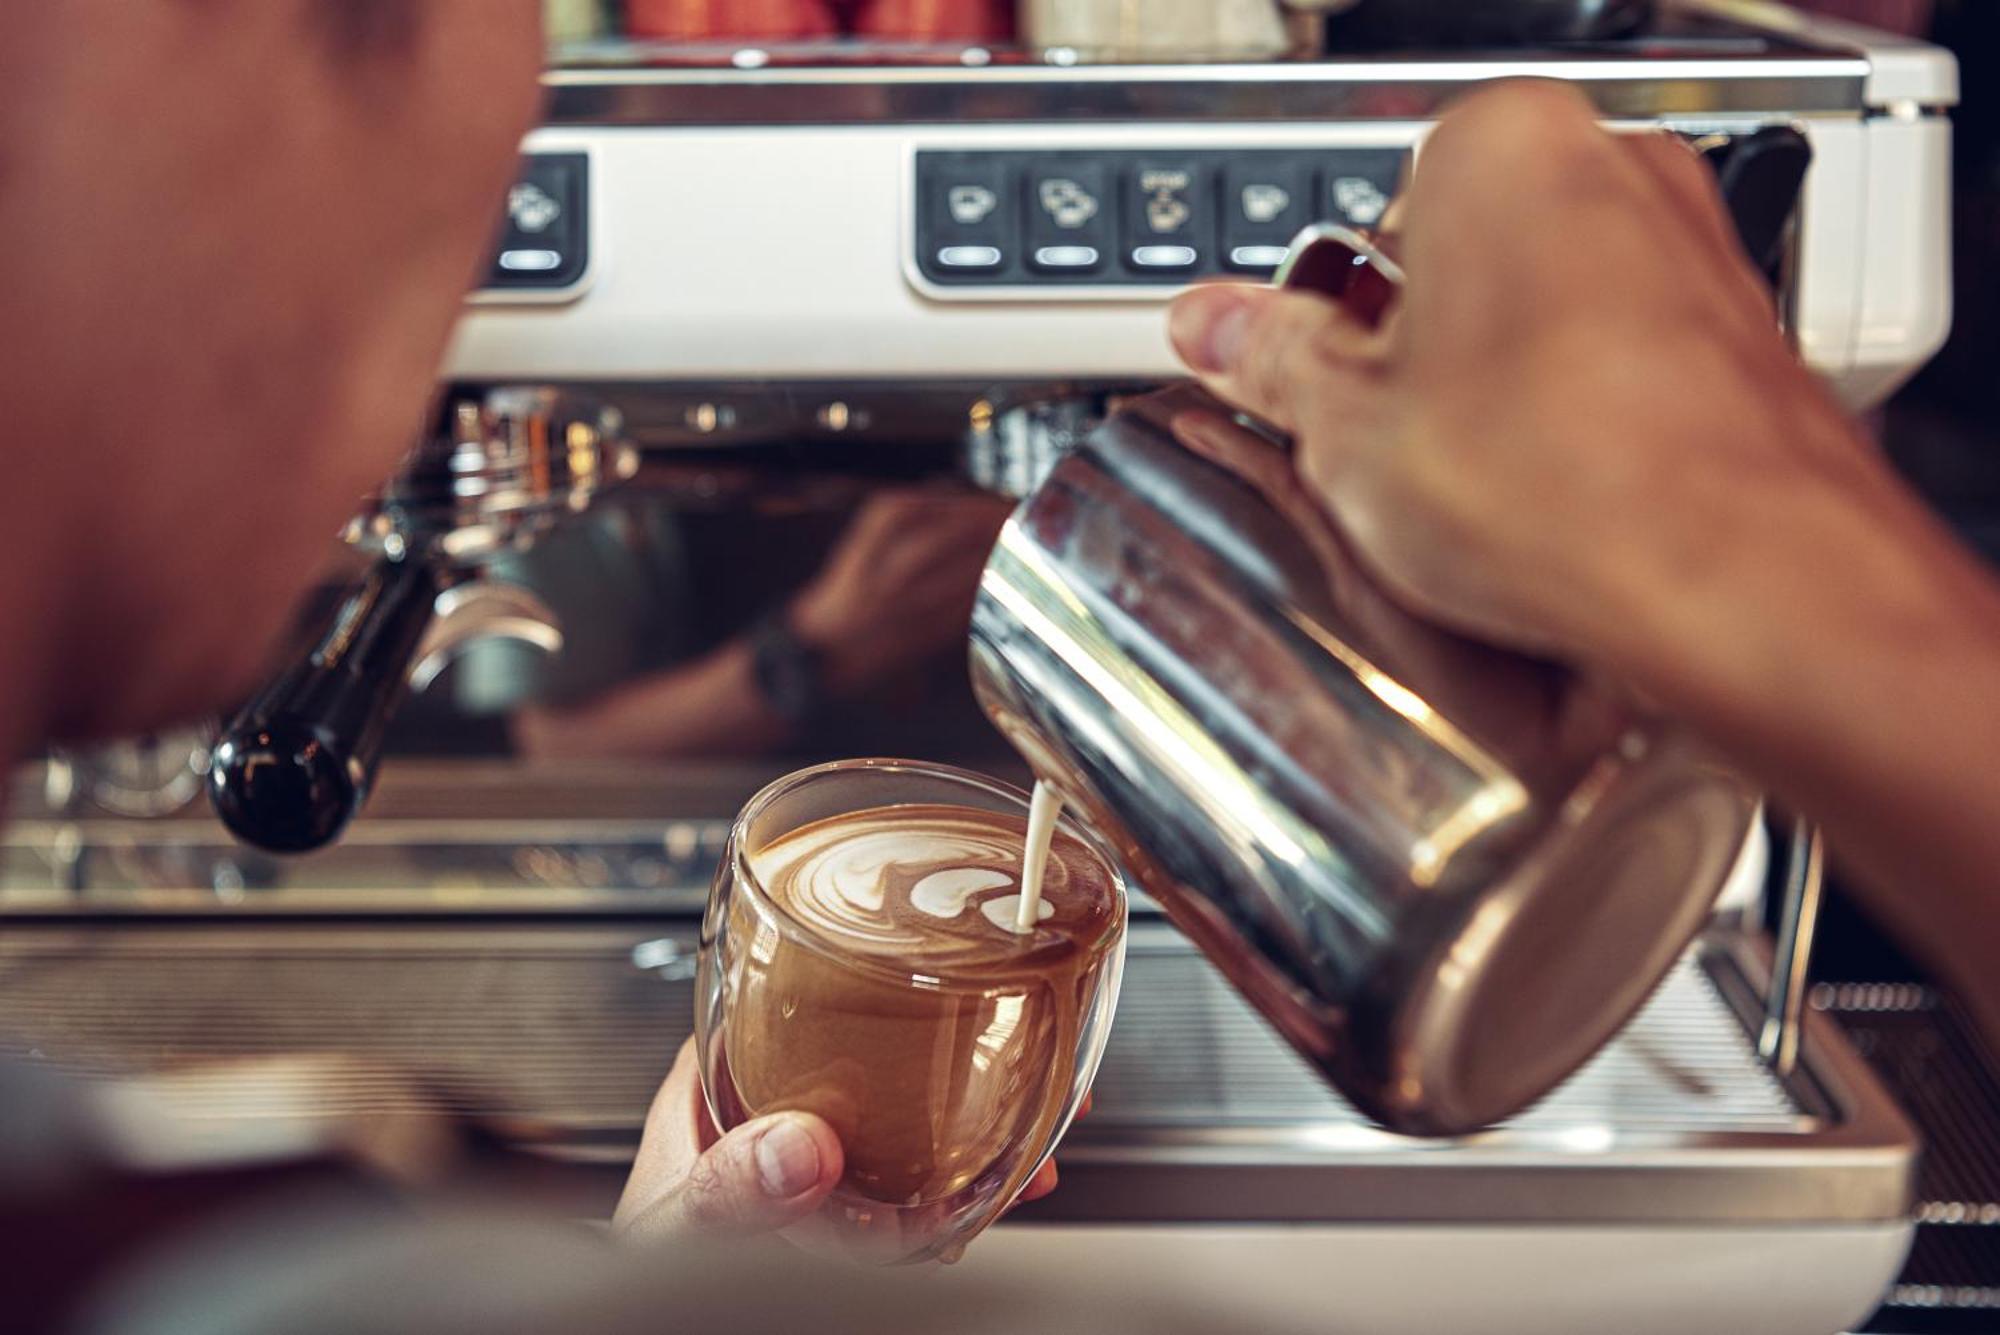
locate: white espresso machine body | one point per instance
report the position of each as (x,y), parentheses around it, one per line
(760,253)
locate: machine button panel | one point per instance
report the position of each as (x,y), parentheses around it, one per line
(1069,215)
(967,214)
(544,240)
(1133,217)
(1169,215)
(1359,186)
(1264,205)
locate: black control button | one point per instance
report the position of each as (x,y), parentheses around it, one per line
(544,241)
(1169,216)
(1360,183)
(1265,204)
(968,214)
(1069,215)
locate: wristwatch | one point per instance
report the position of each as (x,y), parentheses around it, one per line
(788,672)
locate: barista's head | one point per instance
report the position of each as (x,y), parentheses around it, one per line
(237,236)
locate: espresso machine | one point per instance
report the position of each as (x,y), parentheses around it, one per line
(731,280)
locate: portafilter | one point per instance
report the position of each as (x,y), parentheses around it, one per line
(296,764)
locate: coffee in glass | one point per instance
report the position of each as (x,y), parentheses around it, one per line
(863,960)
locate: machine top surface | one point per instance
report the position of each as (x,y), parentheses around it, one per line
(1698,55)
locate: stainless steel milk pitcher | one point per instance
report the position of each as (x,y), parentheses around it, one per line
(1447,874)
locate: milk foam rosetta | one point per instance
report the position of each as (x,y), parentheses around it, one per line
(939,882)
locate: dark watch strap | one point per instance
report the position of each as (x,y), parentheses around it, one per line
(788,672)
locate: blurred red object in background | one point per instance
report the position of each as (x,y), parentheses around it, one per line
(1911,17)
(726,20)
(935,20)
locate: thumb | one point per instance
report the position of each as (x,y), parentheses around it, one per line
(760,1177)
(1268,352)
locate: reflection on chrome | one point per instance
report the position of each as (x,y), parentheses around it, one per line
(1226,796)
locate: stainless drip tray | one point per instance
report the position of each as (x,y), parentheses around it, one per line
(1201,1114)
(1189,1053)
(439,837)
(552,1030)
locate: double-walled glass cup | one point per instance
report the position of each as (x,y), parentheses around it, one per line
(948,1090)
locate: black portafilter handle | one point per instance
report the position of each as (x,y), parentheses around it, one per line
(297,763)
(1761,176)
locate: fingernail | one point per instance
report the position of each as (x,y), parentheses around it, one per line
(787,1159)
(1207,329)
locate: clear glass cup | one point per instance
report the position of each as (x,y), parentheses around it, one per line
(948,1092)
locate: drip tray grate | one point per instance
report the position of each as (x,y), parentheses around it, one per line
(550,1024)
(1202,1112)
(557,1024)
(1187,1049)
(1927,1052)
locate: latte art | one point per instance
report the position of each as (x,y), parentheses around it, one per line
(938,883)
(1005,912)
(943,894)
(873,972)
